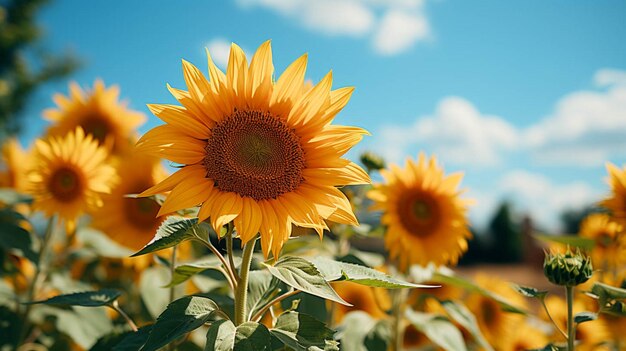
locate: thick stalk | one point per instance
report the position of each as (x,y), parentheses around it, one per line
(397,308)
(39,270)
(241,293)
(571,333)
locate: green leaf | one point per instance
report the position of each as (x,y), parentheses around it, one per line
(571,240)
(450,278)
(379,337)
(460,314)
(98,298)
(179,318)
(14,237)
(302,332)
(353,329)
(173,231)
(252,336)
(262,288)
(607,292)
(583,317)
(438,329)
(185,271)
(302,275)
(221,336)
(334,270)
(249,336)
(530,292)
(134,340)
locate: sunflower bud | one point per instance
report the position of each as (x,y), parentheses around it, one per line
(372,161)
(568,269)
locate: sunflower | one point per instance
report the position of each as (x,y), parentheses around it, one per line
(69,175)
(526,337)
(616,203)
(128,221)
(497,325)
(606,234)
(589,334)
(426,221)
(257,152)
(373,301)
(14,162)
(98,113)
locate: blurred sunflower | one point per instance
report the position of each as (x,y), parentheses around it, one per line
(69,176)
(426,221)
(14,163)
(607,252)
(98,113)
(128,221)
(616,203)
(373,301)
(526,337)
(497,325)
(589,334)
(257,152)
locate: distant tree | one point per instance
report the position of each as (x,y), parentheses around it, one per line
(24,63)
(506,236)
(571,219)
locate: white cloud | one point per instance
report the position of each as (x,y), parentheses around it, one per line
(542,198)
(220,50)
(457,132)
(393,26)
(398,31)
(586,128)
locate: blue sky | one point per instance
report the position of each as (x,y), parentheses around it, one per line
(528,98)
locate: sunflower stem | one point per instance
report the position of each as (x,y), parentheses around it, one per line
(571,333)
(121,312)
(230,276)
(229,250)
(545,307)
(241,293)
(39,270)
(257,316)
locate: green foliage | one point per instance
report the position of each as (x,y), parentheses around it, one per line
(185,271)
(179,318)
(460,314)
(302,275)
(438,329)
(98,298)
(506,235)
(611,300)
(585,317)
(334,271)
(13,237)
(249,336)
(19,76)
(173,231)
(530,292)
(571,240)
(379,336)
(302,332)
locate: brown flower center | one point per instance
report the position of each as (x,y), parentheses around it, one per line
(65,184)
(142,212)
(254,154)
(419,213)
(97,126)
(490,311)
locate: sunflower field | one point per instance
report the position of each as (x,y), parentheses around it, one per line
(240,223)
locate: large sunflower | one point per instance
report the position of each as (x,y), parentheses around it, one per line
(616,203)
(426,221)
(98,113)
(69,175)
(608,249)
(257,152)
(131,222)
